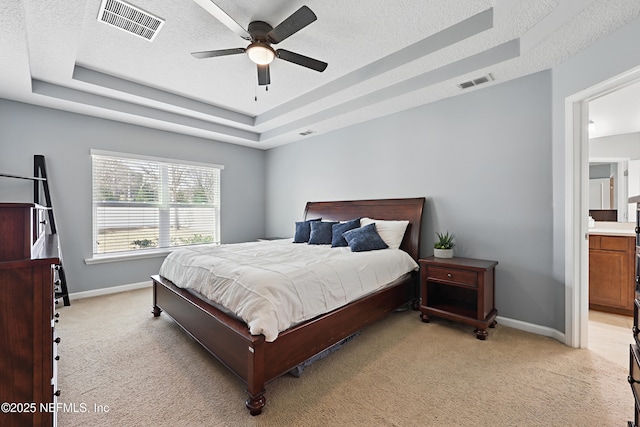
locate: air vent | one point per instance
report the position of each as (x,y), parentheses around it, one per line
(307,132)
(476,82)
(129,18)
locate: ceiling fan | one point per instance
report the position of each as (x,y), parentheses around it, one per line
(262,36)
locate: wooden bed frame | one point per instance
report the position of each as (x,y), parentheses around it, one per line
(256,361)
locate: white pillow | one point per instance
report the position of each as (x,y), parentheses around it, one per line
(392,232)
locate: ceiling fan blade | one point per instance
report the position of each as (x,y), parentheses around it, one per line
(305,61)
(222,16)
(214,53)
(294,23)
(263,75)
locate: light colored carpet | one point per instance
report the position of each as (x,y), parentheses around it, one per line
(398,372)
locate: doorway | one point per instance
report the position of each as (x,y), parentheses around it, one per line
(576,206)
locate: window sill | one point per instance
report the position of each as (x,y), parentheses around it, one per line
(127,256)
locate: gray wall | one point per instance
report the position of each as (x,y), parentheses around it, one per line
(482,159)
(65,139)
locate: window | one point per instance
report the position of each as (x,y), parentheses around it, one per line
(142,203)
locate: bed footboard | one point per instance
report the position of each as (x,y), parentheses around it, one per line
(253,359)
(226,338)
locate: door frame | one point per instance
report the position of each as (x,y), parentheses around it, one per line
(576,256)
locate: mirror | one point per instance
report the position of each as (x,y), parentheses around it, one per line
(614,150)
(609,190)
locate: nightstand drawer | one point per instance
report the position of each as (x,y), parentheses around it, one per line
(463,277)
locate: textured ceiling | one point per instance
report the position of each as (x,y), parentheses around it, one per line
(383,57)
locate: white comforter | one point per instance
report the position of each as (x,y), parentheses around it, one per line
(275,285)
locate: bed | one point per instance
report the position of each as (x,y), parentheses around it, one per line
(258,361)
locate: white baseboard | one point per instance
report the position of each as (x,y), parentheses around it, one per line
(530,327)
(111,290)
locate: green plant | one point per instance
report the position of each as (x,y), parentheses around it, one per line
(143,243)
(445,241)
(195,239)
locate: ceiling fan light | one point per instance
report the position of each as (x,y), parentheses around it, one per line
(261,54)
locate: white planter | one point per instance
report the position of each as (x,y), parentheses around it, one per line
(443,253)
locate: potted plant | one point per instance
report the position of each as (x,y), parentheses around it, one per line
(443,247)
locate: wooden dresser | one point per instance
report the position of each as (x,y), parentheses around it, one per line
(28,354)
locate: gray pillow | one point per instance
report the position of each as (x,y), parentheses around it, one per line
(364,239)
(336,232)
(303,230)
(321,233)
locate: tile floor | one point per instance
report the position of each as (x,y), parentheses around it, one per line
(610,336)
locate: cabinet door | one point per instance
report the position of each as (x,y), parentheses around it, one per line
(611,274)
(608,271)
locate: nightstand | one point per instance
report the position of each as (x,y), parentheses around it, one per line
(459,289)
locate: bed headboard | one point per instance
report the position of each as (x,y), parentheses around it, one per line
(389,209)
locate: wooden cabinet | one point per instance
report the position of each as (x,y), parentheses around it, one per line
(611,273)
(460,289)
(28,352)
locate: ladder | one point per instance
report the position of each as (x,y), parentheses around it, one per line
(40,171)
(40,176)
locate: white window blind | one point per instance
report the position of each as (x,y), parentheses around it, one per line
(142,203)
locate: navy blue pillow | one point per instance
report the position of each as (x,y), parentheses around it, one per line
(336,232)
(303,230)
(364,239)
(321,233)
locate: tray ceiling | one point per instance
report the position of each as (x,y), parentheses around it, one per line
(383,58)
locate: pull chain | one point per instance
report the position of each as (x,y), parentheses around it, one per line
(255,97)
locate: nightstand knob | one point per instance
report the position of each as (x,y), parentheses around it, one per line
(449,275)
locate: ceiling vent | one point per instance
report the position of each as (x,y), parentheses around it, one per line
(476,82)
(307,132)
(130,19)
